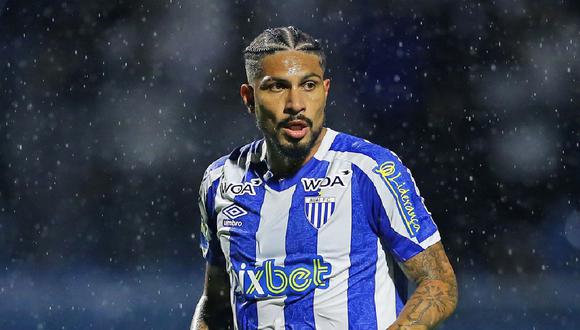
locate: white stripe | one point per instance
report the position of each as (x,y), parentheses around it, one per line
(230,174)
(315,219)
(385,301)
(215,173)
(225,244)
(224,238)
(431,240)
(271,244)
(384,285)
(325,144)
(322,214)
(367,164)
(331,304)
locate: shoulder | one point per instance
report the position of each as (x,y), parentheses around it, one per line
(214,170)
(237,158)
(361,152)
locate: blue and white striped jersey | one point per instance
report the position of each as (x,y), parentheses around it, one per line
(316,250)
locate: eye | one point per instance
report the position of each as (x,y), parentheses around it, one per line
(310,85)
(276,87)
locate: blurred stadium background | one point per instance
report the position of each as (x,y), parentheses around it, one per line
(111,110)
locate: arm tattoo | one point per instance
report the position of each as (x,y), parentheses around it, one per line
(436,295)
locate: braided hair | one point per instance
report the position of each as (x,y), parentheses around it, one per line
(279,39)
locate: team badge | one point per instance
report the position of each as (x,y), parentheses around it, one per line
(318,210)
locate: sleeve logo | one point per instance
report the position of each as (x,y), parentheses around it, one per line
(397,186)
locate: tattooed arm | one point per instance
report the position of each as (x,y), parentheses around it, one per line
(436,295)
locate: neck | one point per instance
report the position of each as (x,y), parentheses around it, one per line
(283,166)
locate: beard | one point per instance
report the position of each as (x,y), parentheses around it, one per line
(292,149)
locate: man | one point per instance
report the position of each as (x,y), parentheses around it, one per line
(304,227)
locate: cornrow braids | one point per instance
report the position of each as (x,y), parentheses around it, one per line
(279,39)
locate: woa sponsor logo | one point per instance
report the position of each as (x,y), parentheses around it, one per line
(237,189)
(271,280)
(314,184)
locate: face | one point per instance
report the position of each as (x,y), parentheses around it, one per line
(288,98)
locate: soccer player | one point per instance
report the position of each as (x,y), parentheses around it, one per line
(304,228)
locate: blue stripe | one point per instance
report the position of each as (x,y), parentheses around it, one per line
(243,249)
(301,248)
(319,217)
(240,153)
(327,211)
(399,207)
(363,260)
(401,247)
(210,199)
(344,142)
(401,289)
(215,255)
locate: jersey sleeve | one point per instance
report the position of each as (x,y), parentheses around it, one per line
(399,212)
(209,242)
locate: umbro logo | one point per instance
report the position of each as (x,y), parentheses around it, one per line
(232,212)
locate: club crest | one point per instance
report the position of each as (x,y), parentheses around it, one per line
(318,210)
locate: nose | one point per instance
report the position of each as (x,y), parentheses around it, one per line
(294,102)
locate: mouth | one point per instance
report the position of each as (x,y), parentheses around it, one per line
(296,129)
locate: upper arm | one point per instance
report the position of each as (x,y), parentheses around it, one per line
(216,283)
(209,242)
(398,211)
(216,287)
(431,264)
(213,310)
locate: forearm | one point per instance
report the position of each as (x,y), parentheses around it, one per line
(206,318)
(432,302)
(436,295)
(198,322)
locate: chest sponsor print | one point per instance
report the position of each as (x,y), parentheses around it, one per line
(238,189)
(277,281)
(315,184)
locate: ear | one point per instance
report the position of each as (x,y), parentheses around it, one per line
(326,84)
(247,94)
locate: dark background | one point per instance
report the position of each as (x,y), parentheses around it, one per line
(110,111)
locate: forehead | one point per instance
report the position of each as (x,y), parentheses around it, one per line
(290,62)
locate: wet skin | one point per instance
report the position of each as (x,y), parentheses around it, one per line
(288,98)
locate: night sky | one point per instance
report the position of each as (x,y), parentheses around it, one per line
(110,112)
